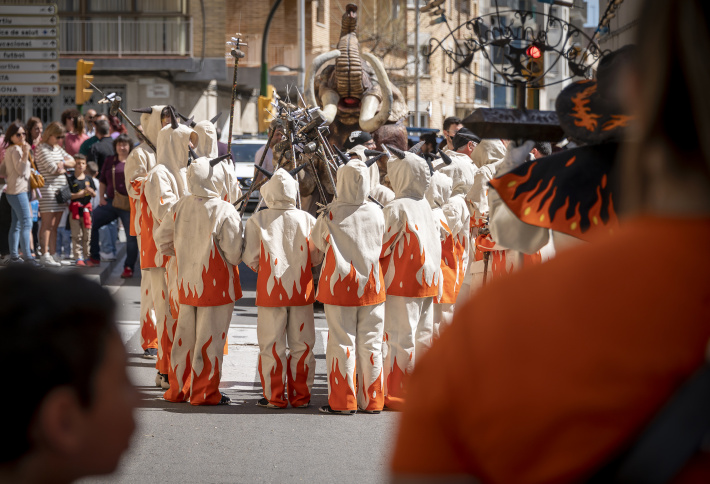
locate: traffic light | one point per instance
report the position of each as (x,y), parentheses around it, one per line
(535,66)
(83,90)
(266,110)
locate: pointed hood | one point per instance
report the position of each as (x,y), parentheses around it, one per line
(280,191)
(207,134)
(409,176)
(488,151)
(151,123)
(353,183)
(205,180)
(439,190)
(172,146)
(461,171)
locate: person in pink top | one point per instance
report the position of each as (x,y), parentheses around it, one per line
(73,122)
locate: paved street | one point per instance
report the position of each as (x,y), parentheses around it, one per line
(242,442)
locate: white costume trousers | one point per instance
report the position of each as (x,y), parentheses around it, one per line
(280,329)
(196,357)
(409,326)
(443,315)
(166,324)
(355,342)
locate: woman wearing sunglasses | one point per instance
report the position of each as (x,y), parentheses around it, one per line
(17,178)
(52,162)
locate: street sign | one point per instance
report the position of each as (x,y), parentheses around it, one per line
(32,78)
(25,89)
(7,21)
(29,10)
(29,66)
(28,55)
(15,32)
(28,44)
(29,50)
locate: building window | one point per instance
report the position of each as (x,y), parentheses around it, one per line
(396,6)
(320,11)
(465,7)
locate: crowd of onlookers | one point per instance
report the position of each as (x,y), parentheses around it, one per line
(60,182)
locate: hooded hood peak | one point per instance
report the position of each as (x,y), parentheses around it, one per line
(488,151)
(207,135)
(409,176)
(461,171)
(280,191)
(353,183)
(439,190)
(204,180)
(151,124)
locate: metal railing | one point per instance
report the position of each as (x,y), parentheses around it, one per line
(278,54)
(169,36)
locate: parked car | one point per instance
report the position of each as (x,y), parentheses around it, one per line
(244,154)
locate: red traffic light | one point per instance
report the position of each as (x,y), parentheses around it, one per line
(534,52)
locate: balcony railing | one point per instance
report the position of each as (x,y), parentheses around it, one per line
(126,37)
(277,54)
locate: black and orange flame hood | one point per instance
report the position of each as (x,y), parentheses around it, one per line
(572,192)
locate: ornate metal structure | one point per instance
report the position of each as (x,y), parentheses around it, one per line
(513,41)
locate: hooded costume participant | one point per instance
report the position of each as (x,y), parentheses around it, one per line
(139,162)
(277,247)
(161,191)
(438,195)
(462,172)
(488,155)
(206,235)
(352,289)
(411,256)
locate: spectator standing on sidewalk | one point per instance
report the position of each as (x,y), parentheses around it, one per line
(73,123)
(16,165)
(111,182)
(82,188)
(104,147)
(86,145)
(52,162)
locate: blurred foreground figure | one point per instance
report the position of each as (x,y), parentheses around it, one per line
(566,364)
(70,408)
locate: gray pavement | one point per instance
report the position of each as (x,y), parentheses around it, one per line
(242,442)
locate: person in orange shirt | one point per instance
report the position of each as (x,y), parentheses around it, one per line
(411,255)
(566,363)
(276,246)
(352,290)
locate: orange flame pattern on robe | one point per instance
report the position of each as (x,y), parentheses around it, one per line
(345,289)
(409,278)
(341,395)
(149,252)
(535,209)
(278,396)
(299,385)
(449,269)
(279,296)
(581,110)
(179,386)
(215,282)
(205,386)
(460,246)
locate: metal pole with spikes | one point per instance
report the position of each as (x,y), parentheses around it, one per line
(237,54)
(116,109)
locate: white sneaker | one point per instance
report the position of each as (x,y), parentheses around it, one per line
(57,258)
(48,261)
(107,257)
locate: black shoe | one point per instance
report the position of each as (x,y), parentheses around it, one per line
(263,402)
(225,400)
(374,412)
(15,260)
(150,353)
(327,409)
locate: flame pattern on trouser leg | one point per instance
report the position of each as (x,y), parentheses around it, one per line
(182,354)
(211,326)
(149,332)
(355,341)
(163,317)
(274,326)
(443,315)
(409,326)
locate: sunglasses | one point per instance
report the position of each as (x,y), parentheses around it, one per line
(20,134)
(59,137)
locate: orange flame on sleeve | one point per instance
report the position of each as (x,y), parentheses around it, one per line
(581,111)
